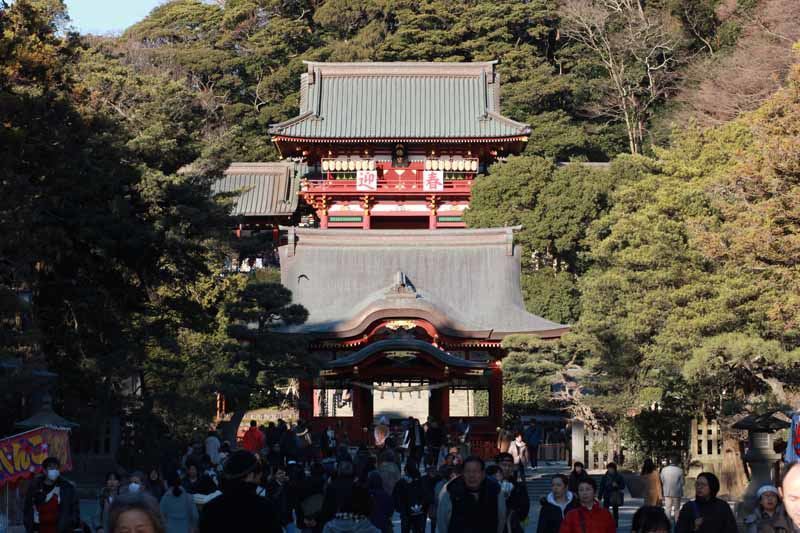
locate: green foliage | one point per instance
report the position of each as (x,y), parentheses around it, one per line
(554,205)
(261,358)
(655,434)
(689,292)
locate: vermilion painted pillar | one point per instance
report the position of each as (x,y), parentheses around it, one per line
(362,414)
(323,219)
(366,219)
(306,399)
(432,219)
(444,406)
(496,394)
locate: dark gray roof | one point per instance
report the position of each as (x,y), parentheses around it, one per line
(404,344)
(267,189)
(398,101)
(465,282)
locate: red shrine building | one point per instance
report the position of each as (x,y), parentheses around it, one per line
(407,307)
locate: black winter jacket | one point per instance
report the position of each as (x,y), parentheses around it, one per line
(69,513)
(716,514)
(550,515)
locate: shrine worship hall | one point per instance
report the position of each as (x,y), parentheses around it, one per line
(407,307)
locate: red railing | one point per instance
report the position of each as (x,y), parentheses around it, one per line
(393,184)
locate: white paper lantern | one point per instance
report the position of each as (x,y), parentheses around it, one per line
(447,164)
(338,164)
(435,164)
(427,164)
(325,165)
(351,165)
(474,165)
(371,164)
(461,165)
(360,165)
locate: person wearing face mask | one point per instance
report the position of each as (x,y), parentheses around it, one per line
(769,516)
(135,483)
(589,516)
(706,513)
(51,503)
(240,507)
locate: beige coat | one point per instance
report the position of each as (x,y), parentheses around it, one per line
(652,489)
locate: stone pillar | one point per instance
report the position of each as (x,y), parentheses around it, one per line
(761,456)
(578,441)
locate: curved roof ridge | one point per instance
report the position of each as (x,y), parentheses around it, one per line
(404,344)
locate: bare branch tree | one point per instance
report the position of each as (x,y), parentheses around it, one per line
(636,49)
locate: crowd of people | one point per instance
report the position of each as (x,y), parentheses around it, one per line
(576,504)
(271,483)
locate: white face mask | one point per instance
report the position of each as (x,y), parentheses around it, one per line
(134,487)
(52,474)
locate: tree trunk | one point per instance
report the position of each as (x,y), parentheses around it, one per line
(231,427)
(732,477)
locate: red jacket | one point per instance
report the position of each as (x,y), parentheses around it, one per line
(253,440)
(582,520)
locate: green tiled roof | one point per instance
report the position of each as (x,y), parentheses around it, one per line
(400,101)
(266,189)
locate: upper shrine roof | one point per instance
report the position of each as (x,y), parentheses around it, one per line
(395,102)
(265,189)
(464,282)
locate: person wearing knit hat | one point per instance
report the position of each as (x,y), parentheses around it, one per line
(239,507)
(769,516)
(240,464)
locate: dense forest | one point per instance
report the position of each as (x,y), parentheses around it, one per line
(677,264)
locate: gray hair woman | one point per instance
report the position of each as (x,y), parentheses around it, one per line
(135,512)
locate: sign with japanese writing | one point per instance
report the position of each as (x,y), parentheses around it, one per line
(433,180)
(21,456)
(366,180)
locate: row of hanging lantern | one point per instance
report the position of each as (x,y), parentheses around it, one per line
(350,165)
(460,165)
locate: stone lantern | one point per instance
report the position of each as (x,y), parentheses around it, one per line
(761,455)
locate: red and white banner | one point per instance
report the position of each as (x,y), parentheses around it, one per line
(433,180)
(21,456)
(367,180)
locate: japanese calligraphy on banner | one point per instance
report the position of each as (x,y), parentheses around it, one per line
(366,180)
(21,456)
(433,180)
